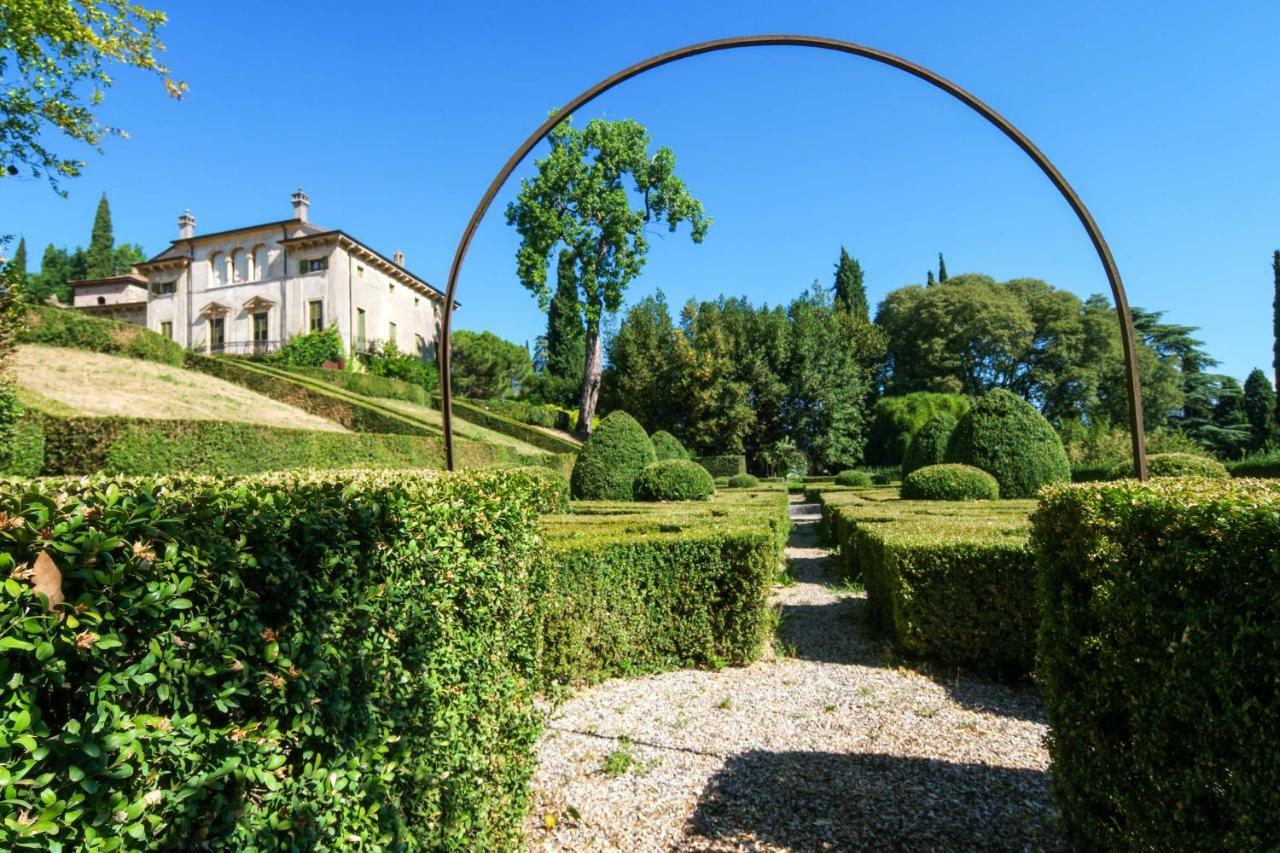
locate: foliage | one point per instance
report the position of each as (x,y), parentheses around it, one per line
(18,275)
(1213,414)
(674,480)
(743,481)
(99,258)
(390,363)
(555,487)
(951,582)
(1006,437)
(895,420)
(723,465)
(1275,325)
(1104,445)
(783,458)
(579,201)
(564,347)
(614,455)
(284,661)
(929,444)
(1259,405)
(1158,662)
(950,482)
(63,327)
(56,57)
(525,412)
(715,403)
(641,376)
(12,445)
(1263,464)
(667,446)
(644,587)
(850,293)
(1173,465)
(853,478)
(486,366)
(312,349)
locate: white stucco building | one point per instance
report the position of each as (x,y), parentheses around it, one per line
(248,290)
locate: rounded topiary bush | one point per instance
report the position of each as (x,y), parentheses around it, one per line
(667,446)
(853,478)
(607,466)
(881,479)
(1005,436)
(674,480)
(743,481)
(950,482)
(929,445)
(1174,465)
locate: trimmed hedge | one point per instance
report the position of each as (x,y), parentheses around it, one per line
(894,420)
(950,582)
(724,465)
(1266,465)
(614,455)
(1174,465)
(853,478)
(646,587)
(289,661)
(879,479)
(674,480)
(743,481)
(929,445)
(368,385)
(1005,436)
(66,327)
(667,446)
(1160,662)
(950,482)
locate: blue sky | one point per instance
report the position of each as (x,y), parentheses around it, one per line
(394,117)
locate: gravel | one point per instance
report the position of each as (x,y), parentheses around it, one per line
(825,744)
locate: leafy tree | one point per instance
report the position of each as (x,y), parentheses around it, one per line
(19,262)
(641,377)
(100,257)
(390,362)
(942,270)
(55,57)
(1260,407)
(716,404)
(487,367)
(1214,414)
(851,295)
(312,349)
(930,281)
(125,256)
(580,200)
(57,267)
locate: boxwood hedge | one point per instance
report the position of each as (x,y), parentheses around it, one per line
(612,458)
(674,480)
(951,582)
(742,481)
(929,444)
(1174,465)
(853,478)
(64,327)
(724,465)
(667,446)
(949,482)
(1160,662)
(287,661)
(1005,436)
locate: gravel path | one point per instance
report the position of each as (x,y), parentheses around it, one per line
(823,745)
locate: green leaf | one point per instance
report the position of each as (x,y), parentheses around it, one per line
(7,643)
(44,650)
(180,604)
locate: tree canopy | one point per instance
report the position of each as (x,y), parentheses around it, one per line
(488,367)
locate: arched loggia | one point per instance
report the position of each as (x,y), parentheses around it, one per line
(1050,171)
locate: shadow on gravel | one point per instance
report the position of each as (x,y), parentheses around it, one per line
(832,801)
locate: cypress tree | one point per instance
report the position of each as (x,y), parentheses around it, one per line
(100,258)
(942,269)
(850,293)
(1260,407)
(930,281)
(566,336)
(20,261)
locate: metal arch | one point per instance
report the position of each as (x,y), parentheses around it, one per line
(1001,123)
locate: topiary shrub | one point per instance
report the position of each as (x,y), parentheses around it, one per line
(950,482)
(617,451)
(724,465)
(853,478)
(667,446)
(894,420)
(674,480)
(743,481)
(881,479)
(929,445)
(1174,465)
(1005,436)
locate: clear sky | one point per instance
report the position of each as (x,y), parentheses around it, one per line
(394,117)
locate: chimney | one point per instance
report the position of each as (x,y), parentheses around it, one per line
(399,258)
(186,226)
(301,201)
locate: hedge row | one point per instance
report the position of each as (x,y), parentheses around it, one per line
(1264,467)
(953,582)
(1160,662)
(136,446)
(287,661)
(62,327)
(639,588)
(724,465)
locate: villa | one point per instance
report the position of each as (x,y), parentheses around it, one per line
(248,290)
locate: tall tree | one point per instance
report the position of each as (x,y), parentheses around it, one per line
(851,295)
(565,342)
(930,281)
(19,262)
(100,257)
(487,367)
(56,269)
(125,256)
(1275,323)
(641,378)
(579,199)
(942,270)
(56,56)
(1260,407)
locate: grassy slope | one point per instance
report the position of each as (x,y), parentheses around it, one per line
(67,382)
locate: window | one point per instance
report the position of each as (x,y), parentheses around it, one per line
(391,332)
(360,329)
(239,263)
(259,332)
(315,315)
(217,268)
(359,271)
(164,288)
(258,263)
(166,329)
(307,265)
(419,346)
(415,302)
(102,300)
(217,333)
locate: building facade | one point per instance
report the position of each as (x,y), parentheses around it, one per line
(248,290)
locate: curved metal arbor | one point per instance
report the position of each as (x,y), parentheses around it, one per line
(1055,177)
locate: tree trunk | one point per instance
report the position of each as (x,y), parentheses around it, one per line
(590,382)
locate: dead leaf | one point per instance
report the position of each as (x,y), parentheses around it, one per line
(48,580)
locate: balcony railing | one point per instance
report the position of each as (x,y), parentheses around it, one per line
(249,348)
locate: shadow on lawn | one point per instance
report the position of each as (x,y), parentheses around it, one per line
(832,801)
